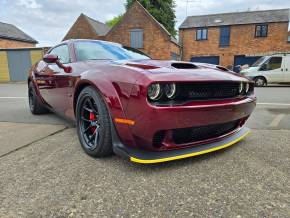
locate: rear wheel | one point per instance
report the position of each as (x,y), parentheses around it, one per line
(35,106)
(93,123)
(260,81)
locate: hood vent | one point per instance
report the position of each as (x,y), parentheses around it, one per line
(184,66)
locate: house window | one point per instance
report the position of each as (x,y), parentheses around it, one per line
(174,56)
(201,34)
(136,38)
(261,30)
(225,32)
(288,32)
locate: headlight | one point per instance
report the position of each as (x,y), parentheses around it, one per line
(241,87)
(154,91)
(170,90)
(247,87)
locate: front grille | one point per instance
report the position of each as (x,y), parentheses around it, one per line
(194,134)
(206,91)
(203,91)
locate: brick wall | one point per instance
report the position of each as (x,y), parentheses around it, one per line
(81,29)
(6,43)
(242,42)
(156,42)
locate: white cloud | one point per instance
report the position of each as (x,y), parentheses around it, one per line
(31,4)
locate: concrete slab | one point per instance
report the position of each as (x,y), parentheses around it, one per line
(17,110)
(55,178)
(16,135)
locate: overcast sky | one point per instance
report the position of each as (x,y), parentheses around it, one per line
(48,20)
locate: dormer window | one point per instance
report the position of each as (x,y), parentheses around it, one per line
(261,30)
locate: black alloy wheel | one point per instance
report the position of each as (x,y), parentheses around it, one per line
(93,123)
(260,81)
(35,106)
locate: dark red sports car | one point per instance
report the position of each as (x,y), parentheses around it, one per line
(146,110)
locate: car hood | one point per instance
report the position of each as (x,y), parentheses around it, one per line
(158,70)
(250,70)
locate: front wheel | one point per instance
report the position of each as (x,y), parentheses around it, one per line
(93,123)
(260,81)
(35,106)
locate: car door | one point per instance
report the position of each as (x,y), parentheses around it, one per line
(286,65)
(272,69)
(58,95)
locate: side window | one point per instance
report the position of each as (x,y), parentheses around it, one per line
(62,52)
(261,30)
(201,34)
(136,38)
(272,64)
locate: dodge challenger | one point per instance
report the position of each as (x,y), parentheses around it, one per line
(146,110)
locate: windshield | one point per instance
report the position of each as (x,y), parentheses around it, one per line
(97,50)
(260,61)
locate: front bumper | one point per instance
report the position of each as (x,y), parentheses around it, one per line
(150,120)
(150,157)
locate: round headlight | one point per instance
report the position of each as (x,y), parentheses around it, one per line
(154,91)
(241,87)
(247,87)
(170,90)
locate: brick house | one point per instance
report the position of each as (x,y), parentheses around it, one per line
(87,28)
(137,29)
(13,37)
(232,39)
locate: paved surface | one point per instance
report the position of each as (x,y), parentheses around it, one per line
(48,174)
(14,107)
(17,135)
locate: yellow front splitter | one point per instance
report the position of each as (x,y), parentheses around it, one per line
(145,157)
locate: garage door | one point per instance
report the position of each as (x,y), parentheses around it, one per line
(19,63)
(242,60)
(206,59)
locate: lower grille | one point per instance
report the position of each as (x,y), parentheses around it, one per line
(207,91)
(158,138)
(194,134)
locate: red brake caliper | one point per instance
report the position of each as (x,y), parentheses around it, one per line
(92,117)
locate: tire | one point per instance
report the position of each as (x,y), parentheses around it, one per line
(260,81)
(35,106)
(93,123)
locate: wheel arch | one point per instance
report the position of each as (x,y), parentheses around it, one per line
(107,92)
(261,76)
(81,85)
(113,103)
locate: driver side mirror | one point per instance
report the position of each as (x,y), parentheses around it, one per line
(50,58)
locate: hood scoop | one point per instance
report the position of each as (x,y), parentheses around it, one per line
(184,66)
(222,68)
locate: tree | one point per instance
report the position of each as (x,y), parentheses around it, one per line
(114,21)
(162,10)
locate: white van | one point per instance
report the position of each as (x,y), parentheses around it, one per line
(270,69)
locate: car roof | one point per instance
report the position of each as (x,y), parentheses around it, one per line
(89,40)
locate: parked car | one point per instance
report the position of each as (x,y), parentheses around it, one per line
(146,110)
(270,69)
